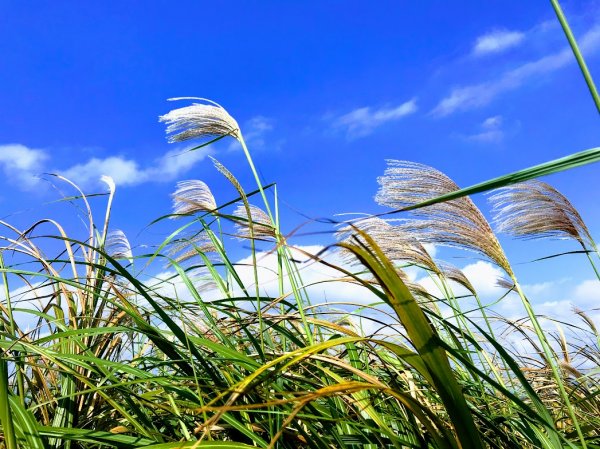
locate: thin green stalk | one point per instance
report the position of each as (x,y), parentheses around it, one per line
(587,253)
(8,430)
(573,43)
(281,244)
(550,360)
(12,330)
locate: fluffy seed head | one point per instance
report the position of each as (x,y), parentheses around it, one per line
(457,223)
(535,210)
(395,241)
(193,196)
(117,245)
(505,283)
(262,228)
(199,120)
(455,274)
(188,247)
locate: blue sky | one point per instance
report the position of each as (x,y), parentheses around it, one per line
(325,92)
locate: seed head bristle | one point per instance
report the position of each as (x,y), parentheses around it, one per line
(193,196)
(395,241)
(457,223)
(585,317)
(187,247)
(199,120)
(261,223)
(117,245)
(536,210)
(508,284)
(455,274)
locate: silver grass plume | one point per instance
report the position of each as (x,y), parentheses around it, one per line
(117,245)
(455,274)
(457,223)
(187,247)
(396,243)
(262,227)
(507,284)
(202,280)
(193,196)
(536,210)
(206,119)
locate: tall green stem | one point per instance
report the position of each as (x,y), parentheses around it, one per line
(573,43)
(551,362)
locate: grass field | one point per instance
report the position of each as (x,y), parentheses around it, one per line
(198,355)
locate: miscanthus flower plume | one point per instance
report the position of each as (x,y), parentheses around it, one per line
(207,119)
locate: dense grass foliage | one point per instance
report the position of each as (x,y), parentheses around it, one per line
(200,356)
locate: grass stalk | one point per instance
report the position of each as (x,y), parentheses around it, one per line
(577,52)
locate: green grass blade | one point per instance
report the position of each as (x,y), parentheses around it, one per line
(565,163)
(573,43)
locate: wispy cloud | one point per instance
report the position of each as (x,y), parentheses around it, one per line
(497,42)
(490,131)
(21,164)
(478,95)
(255,133)
(363,121)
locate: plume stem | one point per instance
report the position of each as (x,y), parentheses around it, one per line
(550,360)
(283,253)
(594,267)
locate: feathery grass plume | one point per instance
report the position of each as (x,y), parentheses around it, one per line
(117,245)
(535,210)
(455,274)
(585,317)
(457,223)
(508,284)
(185,247)
(395,242)
(193,196)
(207,119)
(262,226)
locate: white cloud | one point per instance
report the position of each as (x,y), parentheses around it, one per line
(363,121)
(22,164)
(483,276)
(323,284)
(588,293)
(490,132)
(123,171)
(478,95)
(175,162)
(127,172)
(497,41)
(29,297)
